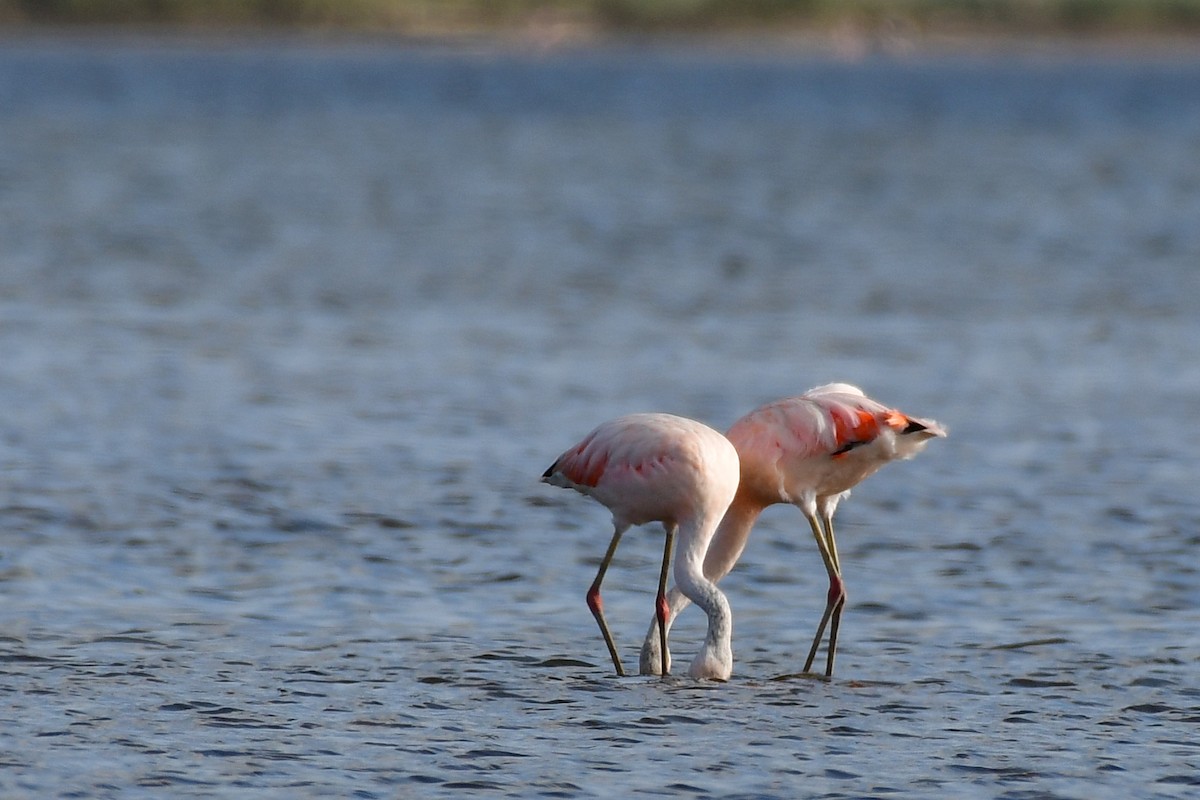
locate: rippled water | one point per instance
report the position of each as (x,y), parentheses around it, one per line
(288,333)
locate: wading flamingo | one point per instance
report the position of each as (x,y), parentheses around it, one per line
(808,451)
(661,468)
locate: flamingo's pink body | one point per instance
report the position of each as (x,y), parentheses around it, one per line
(808,451)
(661,468)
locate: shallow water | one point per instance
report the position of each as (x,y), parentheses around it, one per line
(289,332)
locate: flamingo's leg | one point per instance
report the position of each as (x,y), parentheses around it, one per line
(662,609)
(597,607)
(837,591)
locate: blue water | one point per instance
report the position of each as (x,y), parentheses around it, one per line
(288,332)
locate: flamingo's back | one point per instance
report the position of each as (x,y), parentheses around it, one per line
(651,467)
(822,442)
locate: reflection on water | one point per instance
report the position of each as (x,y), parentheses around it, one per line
(289,334)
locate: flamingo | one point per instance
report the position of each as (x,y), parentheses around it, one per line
(809,451)
(661,468)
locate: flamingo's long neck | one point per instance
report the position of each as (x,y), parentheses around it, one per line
(696,574)
(731,535)
(715,659)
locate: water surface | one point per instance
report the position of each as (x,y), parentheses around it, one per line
(289,331)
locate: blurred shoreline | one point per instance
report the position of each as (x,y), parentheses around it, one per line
(848,44)
(853,29)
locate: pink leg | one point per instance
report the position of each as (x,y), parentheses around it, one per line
(840,602)
(597,607)
(662,608)
(835,599)
(837,596)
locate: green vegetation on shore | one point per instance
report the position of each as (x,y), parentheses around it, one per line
(434,17)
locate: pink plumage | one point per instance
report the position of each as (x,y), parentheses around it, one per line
(822,443)
(661,468)
(809,451)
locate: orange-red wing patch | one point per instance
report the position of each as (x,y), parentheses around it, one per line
(594,470)
(583,467)
(868,427)
(853,429)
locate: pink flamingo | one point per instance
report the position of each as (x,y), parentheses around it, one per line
(808,451)
(661,468)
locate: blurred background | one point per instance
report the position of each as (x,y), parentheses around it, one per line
(439,17)
(298,300)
